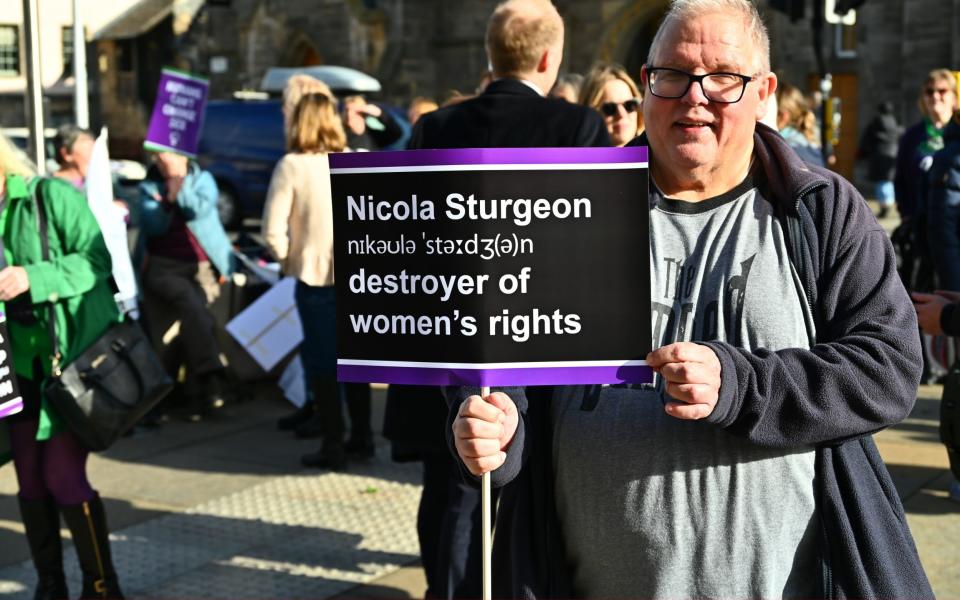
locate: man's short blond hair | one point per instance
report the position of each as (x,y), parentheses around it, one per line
(681,10)
(519,32)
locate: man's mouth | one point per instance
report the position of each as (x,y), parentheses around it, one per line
(692,124)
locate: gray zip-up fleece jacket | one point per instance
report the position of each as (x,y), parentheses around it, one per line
(860,376)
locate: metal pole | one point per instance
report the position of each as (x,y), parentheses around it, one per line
(81,103)
(34,97)
(486,526)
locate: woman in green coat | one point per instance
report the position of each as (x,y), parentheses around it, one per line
(50,462)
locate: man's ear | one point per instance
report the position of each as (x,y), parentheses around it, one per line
(544,63)
(767,86)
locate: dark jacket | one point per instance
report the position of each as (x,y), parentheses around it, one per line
(508,114)
(910,177)
(859,377)
(943,208)
(878,145)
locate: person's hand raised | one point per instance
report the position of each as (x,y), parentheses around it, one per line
(483,430)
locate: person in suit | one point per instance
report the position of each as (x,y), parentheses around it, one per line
(524,44)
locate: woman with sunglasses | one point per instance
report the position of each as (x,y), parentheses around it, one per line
(938,100)
(610,91)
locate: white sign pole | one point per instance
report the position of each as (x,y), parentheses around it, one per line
(81,102)
(487,526)
(34,97)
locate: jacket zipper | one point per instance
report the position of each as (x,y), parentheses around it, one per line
(100,585)
(793,226)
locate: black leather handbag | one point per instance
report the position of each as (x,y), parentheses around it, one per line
(106,390)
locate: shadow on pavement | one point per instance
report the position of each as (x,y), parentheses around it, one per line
(189,555)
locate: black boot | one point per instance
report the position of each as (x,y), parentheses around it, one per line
(332,455)
(41,520)
(88,524)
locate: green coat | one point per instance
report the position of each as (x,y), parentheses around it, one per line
(76,279)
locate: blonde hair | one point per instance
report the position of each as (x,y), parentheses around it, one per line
(420,106)
(792,103)
(934,76)
(519,32)
(683,9)
(296,87)
(599,76)
(315,126)
(13,161)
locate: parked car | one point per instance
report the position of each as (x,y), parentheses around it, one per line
(240,144)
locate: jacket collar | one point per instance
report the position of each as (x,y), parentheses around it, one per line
(16,187)
(787,175)
(509,87)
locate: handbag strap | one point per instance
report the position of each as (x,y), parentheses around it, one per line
(38,205)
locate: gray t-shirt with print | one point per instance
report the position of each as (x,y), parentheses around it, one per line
(656,507)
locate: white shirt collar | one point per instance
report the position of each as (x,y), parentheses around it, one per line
(527,83)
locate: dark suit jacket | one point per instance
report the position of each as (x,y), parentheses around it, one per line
(509,114)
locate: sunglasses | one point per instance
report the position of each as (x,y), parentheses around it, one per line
(938,91)
(609,109)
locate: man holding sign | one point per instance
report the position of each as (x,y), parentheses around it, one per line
(784,338)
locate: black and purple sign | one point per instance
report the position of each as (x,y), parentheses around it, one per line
(492,266)
(10,401)
(177,113)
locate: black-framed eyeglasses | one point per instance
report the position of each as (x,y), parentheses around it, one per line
(609,109)
(722,87)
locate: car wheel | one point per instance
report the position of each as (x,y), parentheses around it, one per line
(228,209)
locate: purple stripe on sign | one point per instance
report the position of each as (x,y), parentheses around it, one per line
(11,408)
(487,156)
(495,377)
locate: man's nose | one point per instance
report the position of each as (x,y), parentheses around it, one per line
(695,95)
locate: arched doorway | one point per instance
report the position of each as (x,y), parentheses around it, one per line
(629,32)
(302,53)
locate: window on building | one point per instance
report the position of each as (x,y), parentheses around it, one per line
(67,49)
(9,50)
(846,40)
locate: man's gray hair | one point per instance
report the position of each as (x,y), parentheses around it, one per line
(684,9)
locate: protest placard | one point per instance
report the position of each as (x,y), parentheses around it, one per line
(177,113)
(10,400)
(492,266)
(269,329)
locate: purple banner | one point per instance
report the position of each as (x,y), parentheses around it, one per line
(11,407)
(487,156)
(10,400)
(177,114)
(566,375)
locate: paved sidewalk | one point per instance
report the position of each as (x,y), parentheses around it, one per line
(222,510)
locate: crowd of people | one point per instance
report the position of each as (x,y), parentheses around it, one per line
(746,470)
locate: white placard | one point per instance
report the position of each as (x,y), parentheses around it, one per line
(292,384)
(269,329)
(99,190)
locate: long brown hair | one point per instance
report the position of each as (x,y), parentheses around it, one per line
(792,105)
(598,77)
(315,126)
